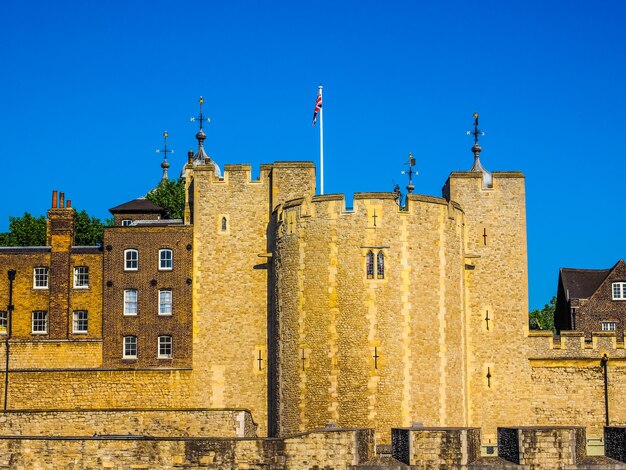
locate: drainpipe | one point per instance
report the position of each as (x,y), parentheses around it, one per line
(603,364)
(11,275)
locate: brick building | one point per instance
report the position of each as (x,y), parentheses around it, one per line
(591,300)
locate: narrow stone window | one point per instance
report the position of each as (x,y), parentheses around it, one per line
(224,224)
(380,265)
(369,265)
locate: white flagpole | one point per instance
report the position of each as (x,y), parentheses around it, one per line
(321,144)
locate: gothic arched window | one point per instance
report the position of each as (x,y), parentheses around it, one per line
(369,265)
(223,224)
(380,265)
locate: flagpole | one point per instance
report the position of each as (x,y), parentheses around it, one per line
(321,145)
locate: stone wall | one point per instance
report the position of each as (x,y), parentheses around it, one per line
(436,447)
(150,423)
(99,389)
(567,381)
(546,447)
(332,450)
(377,352)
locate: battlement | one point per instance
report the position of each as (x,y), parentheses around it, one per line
(310,207)
(572,346)
(243,171)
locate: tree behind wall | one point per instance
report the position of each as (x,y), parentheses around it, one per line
(170,195)
(29,230)
(543,319)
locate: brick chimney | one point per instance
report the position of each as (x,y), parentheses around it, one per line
(60,237)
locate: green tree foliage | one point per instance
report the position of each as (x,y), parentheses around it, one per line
(543,319)
(170,195)
(89,231)
(29,230)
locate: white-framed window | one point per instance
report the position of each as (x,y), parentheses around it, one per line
(130,347)
(165,259)
(165,301)
(619,291)
(608,325)
(40,322)
(81,277)
(131,260)
(80,321)
(40,277)
(126,222)
(165,347)
(130,301)
(4,322)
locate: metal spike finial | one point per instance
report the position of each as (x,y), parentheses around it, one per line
(165,165)
(201,118)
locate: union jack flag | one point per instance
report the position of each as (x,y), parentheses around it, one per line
(318,106)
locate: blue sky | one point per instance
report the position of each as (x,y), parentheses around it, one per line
(89,87)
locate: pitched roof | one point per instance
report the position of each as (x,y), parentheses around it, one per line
(581,283)
(140,205)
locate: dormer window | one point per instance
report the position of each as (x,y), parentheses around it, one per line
(619,291)
(126,222)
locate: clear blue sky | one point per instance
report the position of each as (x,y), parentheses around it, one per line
(88,88)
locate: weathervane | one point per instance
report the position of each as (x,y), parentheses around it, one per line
(410,172)
(476,132)
(201,118)
(165,151)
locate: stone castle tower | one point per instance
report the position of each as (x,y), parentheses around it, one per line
(376,316)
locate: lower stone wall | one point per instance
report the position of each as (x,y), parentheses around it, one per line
(152,423)
(102,389)
(331,450)
(52,354)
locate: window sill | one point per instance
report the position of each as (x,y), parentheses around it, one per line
(131,269)
(166,269)
(129,358)
(130,315)
(39,333)
(164,357)
(40,288)
(164,314)
(81,287)
(80,332)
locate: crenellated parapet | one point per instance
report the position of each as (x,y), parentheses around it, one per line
(572,349)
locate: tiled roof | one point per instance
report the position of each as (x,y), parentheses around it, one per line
(581,283)
(139,205)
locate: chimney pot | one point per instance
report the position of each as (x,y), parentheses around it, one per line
(69,203)
(54,198)
(62,200)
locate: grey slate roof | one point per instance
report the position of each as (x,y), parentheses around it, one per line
(139,205)
(581,283)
